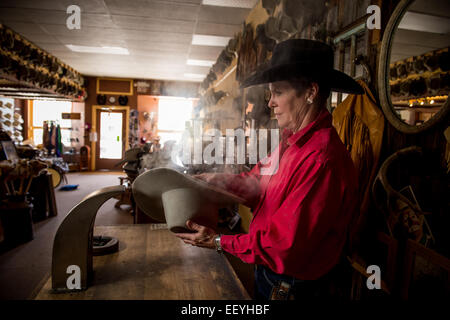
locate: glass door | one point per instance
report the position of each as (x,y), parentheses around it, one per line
(111,135)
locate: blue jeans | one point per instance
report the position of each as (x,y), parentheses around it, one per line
(266,280)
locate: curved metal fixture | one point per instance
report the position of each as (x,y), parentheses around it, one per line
(72,245)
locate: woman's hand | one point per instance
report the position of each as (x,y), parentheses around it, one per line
(216,179)
(207,177)
(204,237)
(202,176)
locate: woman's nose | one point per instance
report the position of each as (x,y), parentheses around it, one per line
(271,103)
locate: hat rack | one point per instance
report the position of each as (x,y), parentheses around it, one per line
(420,77)
(35,71)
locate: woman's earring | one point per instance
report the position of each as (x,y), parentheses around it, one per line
(309,100)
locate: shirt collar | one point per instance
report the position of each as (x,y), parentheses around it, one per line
(323,120)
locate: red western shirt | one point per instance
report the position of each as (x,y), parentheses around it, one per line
(302,210)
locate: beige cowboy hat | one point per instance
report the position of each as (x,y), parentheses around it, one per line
(167,195)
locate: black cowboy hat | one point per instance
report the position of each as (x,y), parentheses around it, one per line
(101,99)
(123,100)
(302,57)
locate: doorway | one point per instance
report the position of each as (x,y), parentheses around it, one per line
(112,135)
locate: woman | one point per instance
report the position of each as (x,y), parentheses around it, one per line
(302,210)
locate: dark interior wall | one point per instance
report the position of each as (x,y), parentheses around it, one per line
(427,174)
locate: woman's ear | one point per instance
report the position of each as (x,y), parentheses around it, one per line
(313,91)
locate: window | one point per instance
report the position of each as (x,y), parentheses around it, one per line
(172,116)
(43,110)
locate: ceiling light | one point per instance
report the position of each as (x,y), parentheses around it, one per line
(201,63)
(248,4)
(215,41)
(103,50)
(195,76)
(432,101)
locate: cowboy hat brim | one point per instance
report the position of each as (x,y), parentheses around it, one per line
(339,81)
(130,155)
(149,188)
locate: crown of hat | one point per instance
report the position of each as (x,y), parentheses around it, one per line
(302,51)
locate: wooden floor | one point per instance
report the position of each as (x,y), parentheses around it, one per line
(152,264)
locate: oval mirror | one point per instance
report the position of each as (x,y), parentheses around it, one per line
(413,76)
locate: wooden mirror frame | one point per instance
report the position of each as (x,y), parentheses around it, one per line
(383,77)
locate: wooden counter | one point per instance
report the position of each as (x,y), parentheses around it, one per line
(153,264)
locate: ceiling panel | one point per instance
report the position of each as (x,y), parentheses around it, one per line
(25,28)
(52,47)
(217,29)
(60,18)
(153,24)
(197,69)
(93,32)
(160,53)
(223,15)
(434,7)
(91,6)
(164,37)
(180,1)
(14,14)
(41,39)
(157,33)
(91,42)
(53,17)
(153,9)
(161,46)
(204,52)
(425,39)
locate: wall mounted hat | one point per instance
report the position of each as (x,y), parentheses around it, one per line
(306,12)
(272,31)
(286,23)
(232,46)
(262,38)
(123,100)
(297,57)
(101,99)
(444,61)
(431,62)
(255,94)
(270,5)
(172,197)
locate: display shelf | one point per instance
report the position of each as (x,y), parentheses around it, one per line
(10,120)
